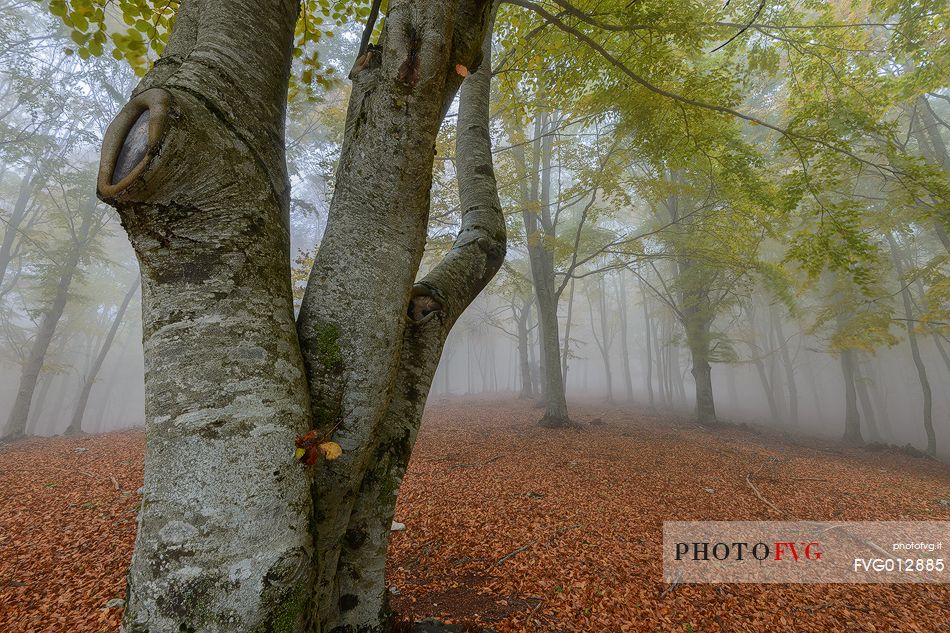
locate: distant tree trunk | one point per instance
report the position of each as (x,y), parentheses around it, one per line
(603,344)
(524,363)
(760,369)
(816,393)
(860,383)
(697,336)
(624,335)
(566,351)
(880,401)
(11,226)
(789,372)
(537,227)
(16,425)
(914,348)
(75,425)
(648,331)
(774,380)
(661,338)
(852,420)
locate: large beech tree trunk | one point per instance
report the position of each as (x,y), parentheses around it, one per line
(233,534)
(369,373)
(224,540)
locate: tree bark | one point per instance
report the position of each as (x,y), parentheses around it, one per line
(223,540)
(75,425)
(478,252)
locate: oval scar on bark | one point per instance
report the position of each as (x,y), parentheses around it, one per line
(132,140)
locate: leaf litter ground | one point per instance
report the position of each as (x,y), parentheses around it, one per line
(511,526)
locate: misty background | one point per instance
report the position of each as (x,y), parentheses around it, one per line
(783,347)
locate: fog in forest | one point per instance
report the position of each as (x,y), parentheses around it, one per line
(789,348)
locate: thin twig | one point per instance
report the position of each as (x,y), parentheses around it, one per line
(758,494)
(514,553)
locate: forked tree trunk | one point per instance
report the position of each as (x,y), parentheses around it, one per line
(538,228)
(358,590)
(227,538)
(603,344)
(75,424)
(760,368)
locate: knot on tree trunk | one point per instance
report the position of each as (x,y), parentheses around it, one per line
(424,303)
(131,141)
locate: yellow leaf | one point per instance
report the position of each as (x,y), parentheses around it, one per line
(331,450)
(299,453)
(462,70)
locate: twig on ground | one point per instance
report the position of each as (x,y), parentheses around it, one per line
(748,480)
(514,553)
(674,582)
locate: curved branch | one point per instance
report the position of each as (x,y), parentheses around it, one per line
(694,103)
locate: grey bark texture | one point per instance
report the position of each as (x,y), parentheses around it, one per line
(233,534)
(223,540)
(361,293)
(354,591)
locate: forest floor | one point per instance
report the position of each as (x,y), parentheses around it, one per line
(511,526)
